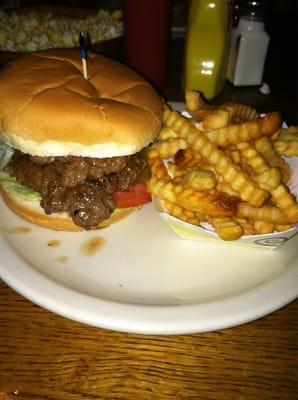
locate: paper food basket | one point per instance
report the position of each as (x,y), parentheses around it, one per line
(193,232)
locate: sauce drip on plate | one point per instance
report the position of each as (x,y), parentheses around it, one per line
(92,245)
(54,243)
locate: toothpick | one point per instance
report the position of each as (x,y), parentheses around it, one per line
(85,69)
(83,40)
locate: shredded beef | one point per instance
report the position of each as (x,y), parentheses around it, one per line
(81,186)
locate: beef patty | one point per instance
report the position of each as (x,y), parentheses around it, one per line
(80,186)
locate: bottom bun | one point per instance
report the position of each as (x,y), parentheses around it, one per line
(32,212)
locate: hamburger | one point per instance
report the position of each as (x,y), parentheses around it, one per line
(71,149)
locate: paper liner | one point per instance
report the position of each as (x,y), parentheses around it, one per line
(193,232)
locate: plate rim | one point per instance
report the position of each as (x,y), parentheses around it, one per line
(179,319)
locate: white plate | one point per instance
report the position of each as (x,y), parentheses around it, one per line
(143,278)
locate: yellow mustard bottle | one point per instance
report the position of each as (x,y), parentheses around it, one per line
(206,47)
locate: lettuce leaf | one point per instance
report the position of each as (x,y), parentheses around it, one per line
(6,153)
(11,185)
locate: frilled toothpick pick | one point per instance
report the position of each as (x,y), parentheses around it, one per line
(84,42)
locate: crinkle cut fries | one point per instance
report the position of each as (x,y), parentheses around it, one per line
(224,166)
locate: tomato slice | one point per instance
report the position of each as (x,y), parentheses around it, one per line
(138,195)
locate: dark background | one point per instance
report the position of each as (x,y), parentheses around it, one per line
(281,63)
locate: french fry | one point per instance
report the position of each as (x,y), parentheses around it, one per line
(247,189)
(199,179)
(286,148)
(286,202)
(197,124)
(266,213)
(286,142)
(196,105)
(156,164)
(169,148)
(202,202)
(185,215)
(234,155)
(263,228)
(175,171)
(251,157)
(226,113)
(244,132)
(226,188)
(270,179)
(281,228)
(243,112)
(266,149)
(246,225)
(165,190)
(166,149)
(166,133)
(227,228)
(220,117)
(286,134)
(188,158)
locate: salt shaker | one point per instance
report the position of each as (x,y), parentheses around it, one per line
(248,46)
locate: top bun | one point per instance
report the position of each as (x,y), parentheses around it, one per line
(47,108)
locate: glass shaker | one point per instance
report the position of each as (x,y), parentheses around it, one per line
(248,46)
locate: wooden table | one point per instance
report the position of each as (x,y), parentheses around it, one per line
(46,357)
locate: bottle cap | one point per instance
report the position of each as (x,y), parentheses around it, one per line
(252,9)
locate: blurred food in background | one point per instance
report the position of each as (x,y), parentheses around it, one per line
(40,28)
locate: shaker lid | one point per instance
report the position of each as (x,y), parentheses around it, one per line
(252,9)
